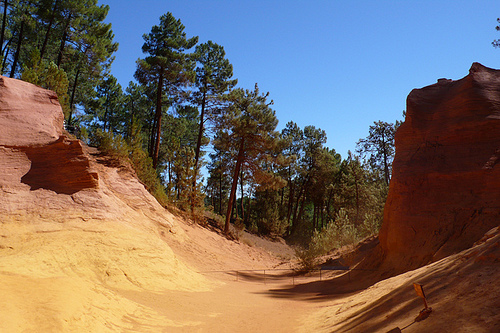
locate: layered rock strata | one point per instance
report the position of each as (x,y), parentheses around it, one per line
(445,189)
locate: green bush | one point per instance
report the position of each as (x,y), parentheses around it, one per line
(371,224)
(47,75)
(112,145)
(122,153)
(336,234)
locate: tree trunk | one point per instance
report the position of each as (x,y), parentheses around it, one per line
(158,118)
(18,50)
(315,215)
(220,193)
(248,212)
(302,191)
(6,50)
(4,22)
(72,100)
(301,210)
(105,116)
(242,196)
(322,215)
(328,204)
(295,211)
(198,145)
(63,41)
(232,195)
(51,21)
(152,132)
(169,168)
(291,193)
(131,122)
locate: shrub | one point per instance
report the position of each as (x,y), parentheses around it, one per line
(112,145)
(122,153)
(371,224)
(336,234)
(47,75)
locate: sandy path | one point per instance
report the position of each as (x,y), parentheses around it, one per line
(243,303)
(236,306)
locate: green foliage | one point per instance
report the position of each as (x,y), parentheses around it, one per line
(47,75)
(122,153)
(61,45)
(143,166)
(267,217)
(378,148)
(496,42)
(218,183)
(336,234)
(371,224)
(288,183)
(169,67)
(112,145)
(107,108)
(246,131)
(213,79)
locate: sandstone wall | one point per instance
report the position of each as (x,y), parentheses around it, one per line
(33,149)
(445,189)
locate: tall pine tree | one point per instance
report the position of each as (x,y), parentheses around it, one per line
(168,65)
(247,129)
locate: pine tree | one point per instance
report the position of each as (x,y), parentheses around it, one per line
(378,147)
(168,65)
(108,106)
(89,54)
(213,78)
(247,130)
(23,22)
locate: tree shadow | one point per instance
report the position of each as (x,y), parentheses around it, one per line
(344,284)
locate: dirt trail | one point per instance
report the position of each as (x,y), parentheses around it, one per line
(233,307)
(246,272)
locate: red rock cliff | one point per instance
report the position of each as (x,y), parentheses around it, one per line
(33,150)
(445,189)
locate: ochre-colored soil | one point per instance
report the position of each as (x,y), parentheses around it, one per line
(104,277)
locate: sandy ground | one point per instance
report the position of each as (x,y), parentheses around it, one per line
(233,307)
(108,277)
(111,277)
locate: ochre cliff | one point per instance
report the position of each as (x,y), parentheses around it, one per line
(445,189)
(33,149)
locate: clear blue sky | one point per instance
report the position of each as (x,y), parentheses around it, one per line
(337,65)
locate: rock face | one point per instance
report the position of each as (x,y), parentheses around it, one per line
(445,190)
(33,150)
(29,115)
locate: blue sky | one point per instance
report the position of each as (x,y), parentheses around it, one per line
(337,65)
